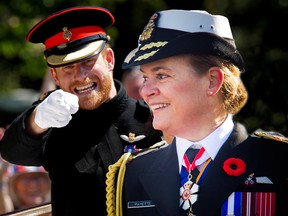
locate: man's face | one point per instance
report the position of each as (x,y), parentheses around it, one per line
(91,80)
(133,83)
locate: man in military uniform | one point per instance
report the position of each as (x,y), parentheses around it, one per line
(78,130)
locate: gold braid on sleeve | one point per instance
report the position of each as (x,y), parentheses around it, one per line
(116,173)
(114,205)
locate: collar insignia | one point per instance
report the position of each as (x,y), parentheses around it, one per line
(250,181)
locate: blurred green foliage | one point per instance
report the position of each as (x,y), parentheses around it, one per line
(258,28)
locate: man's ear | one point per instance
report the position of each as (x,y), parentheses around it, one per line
(54,75)
(216,78)
(109,56)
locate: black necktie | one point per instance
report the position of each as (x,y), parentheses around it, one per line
(191,154)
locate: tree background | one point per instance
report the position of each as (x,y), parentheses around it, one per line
(258,27)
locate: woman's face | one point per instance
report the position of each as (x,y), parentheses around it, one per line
(175,93)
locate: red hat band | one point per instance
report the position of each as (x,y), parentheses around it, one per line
(72,34)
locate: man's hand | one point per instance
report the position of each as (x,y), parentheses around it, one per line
(56,110)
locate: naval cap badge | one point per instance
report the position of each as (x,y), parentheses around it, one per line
(148,29)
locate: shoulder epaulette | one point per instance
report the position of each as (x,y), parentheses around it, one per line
(152,148)
(272,135)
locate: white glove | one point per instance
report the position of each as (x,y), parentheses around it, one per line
(56,110)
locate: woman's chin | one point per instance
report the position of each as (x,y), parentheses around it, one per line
(159,125)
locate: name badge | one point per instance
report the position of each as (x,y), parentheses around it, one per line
(141,204)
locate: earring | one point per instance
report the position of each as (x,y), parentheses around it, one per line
(210,92)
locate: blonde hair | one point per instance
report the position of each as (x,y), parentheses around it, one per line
(233,90)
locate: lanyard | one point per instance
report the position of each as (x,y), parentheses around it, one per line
(189,190)
(192,166)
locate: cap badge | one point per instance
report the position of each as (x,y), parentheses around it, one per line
(66,33)
(146,34)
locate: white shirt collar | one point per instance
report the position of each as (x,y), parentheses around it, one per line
(212,143)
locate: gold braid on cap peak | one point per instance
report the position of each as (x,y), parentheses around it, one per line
(114,194)
(154,44)
(145,56)
(149,46)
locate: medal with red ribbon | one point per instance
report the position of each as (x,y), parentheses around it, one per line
(188,192)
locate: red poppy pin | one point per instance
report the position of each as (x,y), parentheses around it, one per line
(234,166)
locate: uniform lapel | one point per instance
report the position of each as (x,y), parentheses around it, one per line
(161,182)
(217,184)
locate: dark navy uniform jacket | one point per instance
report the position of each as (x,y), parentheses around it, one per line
(152,183)
(77,156)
